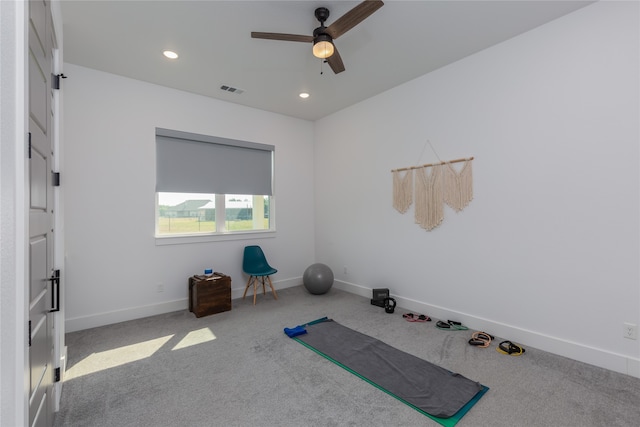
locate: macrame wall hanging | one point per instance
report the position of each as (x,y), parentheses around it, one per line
(435,185)
(402,190)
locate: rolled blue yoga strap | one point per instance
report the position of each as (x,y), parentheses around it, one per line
(294,332)
(300,329)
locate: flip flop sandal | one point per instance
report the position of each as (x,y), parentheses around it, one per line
(423,318)
(442,325)
(480,339)
(410,317)
(457,325)
(509,348)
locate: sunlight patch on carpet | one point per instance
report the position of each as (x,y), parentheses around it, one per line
(116,357)
(195,337)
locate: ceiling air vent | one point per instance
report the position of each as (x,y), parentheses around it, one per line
(232,89)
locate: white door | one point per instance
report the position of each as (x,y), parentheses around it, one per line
(40,293)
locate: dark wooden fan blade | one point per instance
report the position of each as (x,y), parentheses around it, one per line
(285,37)
(353,17)
(335,61)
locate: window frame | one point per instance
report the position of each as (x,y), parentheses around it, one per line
(221,233)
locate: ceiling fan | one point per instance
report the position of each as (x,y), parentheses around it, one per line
(323,37)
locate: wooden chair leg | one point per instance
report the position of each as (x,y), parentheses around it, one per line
(272,288)
(247,287)
(253,280)
(255,289)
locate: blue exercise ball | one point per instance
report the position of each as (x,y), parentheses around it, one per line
(318,278)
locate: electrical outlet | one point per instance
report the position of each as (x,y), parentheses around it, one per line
(160,288)
(630,331)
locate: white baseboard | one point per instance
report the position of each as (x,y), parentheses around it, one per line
(117,316)
(132,313)
(633,367)
(354,289)
(576,351)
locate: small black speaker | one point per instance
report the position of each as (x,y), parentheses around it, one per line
(379,295)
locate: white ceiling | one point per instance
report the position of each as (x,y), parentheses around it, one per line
(399,42)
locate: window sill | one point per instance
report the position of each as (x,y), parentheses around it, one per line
(185,240)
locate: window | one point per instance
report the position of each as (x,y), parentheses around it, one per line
(211,186)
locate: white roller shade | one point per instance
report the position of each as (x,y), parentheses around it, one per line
(192,163)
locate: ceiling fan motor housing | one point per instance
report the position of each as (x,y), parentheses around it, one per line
(321,31)
(322,13)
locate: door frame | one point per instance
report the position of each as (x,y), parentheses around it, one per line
(13,272)
(60,348)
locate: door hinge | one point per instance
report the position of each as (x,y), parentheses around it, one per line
(29,144)
(29,333)
(55,80)
(56,179)
(56,375)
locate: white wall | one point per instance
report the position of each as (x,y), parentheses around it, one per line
(547,253)
(113,265)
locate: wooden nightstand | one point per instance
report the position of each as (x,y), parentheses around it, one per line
(209,294)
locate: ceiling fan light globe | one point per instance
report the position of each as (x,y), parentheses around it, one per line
(323,49)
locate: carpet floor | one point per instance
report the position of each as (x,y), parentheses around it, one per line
(238,368)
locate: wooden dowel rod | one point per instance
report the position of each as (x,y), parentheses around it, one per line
(432,164)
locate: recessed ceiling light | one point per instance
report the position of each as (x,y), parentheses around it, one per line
(170,54)
(304,95)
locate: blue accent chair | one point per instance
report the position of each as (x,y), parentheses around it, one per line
(255,264)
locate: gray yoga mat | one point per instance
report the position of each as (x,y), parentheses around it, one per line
(430,388)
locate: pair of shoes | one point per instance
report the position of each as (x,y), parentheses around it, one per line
(410,317)
(507,347)
(481,339)
(451,325)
